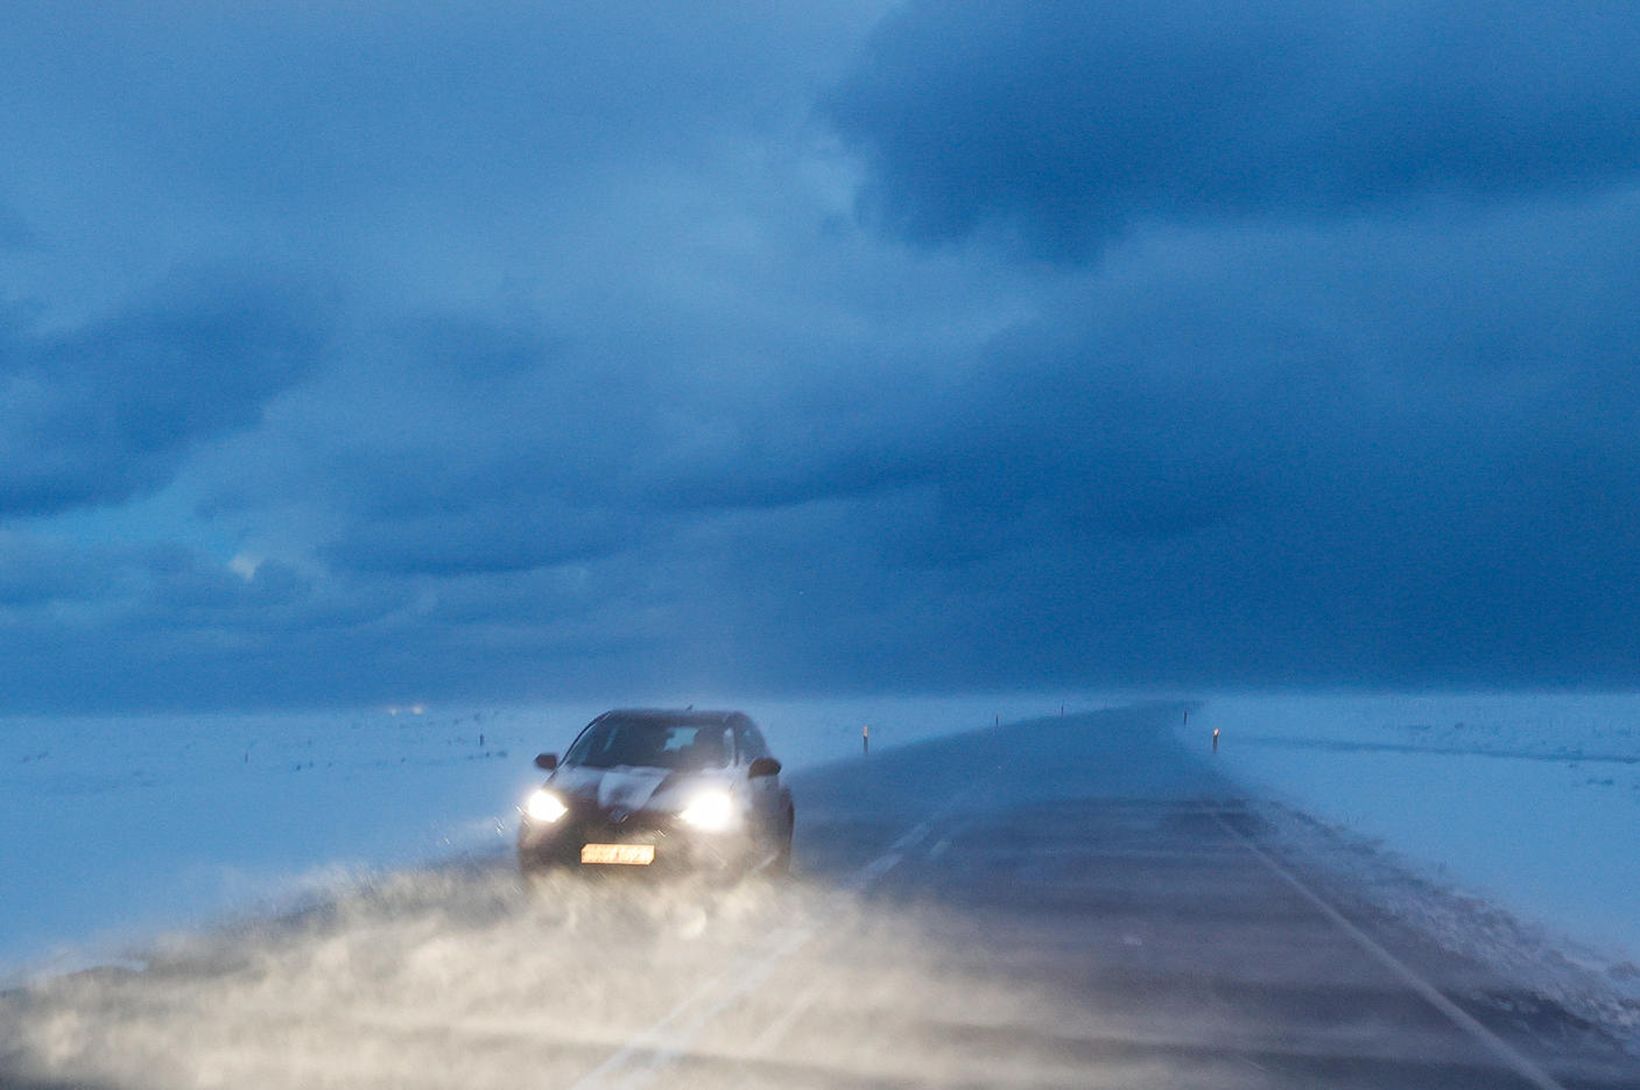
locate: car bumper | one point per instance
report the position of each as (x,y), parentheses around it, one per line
(676,847)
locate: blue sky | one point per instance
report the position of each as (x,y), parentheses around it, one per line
(538,350)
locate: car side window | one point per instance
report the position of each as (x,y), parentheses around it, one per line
(751,744)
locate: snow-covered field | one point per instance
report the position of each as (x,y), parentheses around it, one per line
(1531,802)
(112,829)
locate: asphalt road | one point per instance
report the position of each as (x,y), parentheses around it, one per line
(1065,903)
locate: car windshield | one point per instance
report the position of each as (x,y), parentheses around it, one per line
(650,744)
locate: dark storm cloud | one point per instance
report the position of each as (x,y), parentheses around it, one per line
(37,572)
(1396,455)
(109,410)
(1070,123)
(452,446)
(334,122)
(489,536)
(1285,364)
(1305,461)
(14,233)
(611,392)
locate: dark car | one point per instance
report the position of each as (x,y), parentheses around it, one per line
(695,790)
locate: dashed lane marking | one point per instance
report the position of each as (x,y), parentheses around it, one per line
(643,1056)
(776,1030)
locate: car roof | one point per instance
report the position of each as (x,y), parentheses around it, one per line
(678,716)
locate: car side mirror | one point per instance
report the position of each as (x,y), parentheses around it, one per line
(546,761)
(763,766)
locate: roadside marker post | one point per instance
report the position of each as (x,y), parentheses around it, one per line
(1215,739)
(865,740)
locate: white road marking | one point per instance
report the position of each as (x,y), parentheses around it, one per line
(641,1058)
(637,1062)
(867,875)
(910,839)
(776,1030)
(1503,1050)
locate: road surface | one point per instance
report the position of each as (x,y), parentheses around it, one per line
(1072,902)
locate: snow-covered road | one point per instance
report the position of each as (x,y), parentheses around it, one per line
(1067,902)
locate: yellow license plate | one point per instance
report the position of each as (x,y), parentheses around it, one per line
(631,855)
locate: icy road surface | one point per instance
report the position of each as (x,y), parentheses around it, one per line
(1063,903)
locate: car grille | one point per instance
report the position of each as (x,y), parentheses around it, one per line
(593,825)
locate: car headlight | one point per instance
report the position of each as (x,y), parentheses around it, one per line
(544,806)
(712,811)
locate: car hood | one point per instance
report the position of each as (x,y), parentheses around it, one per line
(632,789)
